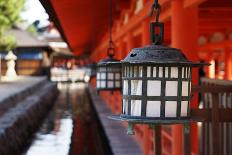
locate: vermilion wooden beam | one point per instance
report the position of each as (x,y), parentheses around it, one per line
(137,19)
(215,46)
(191,3)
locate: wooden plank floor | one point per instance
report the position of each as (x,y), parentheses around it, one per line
(120,142)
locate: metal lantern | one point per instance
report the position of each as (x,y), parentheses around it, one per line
(109,74)
(156,83)
(109,70)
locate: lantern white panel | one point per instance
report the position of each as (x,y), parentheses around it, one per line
(102,69)
(171,88)
(160,71)
(128,71)
(174,72)
(118,84)
(103,75)
(117,76)
(153,109)
(125,106)
(154,71)
(125,71)
(136,107)
(148,71)
(98,75)
(98,84)
(110,84)
(131,71)
(135,71)
(185,88)
(136,87)
(125,87)
(110,76)
(166,72)
(153,88)
(183,76)
(170,108)
(140,71)
(103,84)
(184,108)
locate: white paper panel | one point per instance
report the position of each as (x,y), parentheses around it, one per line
(135,107)
(140,71)
(166,72)
(117,76)
(174,72)
(110,84)
(103,84)
(125,106)
(148,71)
(117,84)
(136,87)
(170,108)
(153,88)
(135,71)
(131,71)
(125,87)
(160,71)
(154,71)
(110,76)
(103,75)
(98,75)
(183,76)
(102,69)
(171,88)
(185,88)
(153,109)
(184,108)
(98,84)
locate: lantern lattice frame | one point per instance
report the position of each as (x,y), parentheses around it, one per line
(109,75)
(154,58)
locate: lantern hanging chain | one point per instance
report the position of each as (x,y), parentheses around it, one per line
(111,44)
(155,6)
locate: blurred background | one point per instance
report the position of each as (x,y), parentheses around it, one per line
(48,55)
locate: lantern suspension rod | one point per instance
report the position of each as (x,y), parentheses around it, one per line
(156,38)
(111,44)
(155,6)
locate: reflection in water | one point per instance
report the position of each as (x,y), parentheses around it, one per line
(68,124)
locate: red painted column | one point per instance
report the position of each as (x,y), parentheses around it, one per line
(146,41)
(227,59)
(130,42)
(184,36)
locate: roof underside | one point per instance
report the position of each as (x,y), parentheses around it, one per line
(83,23)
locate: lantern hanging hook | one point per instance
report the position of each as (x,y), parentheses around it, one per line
(155,6)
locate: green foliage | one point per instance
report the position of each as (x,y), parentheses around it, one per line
(7,42)
(9,15)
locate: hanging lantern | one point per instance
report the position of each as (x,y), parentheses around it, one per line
(109,74)
(156,82)
(109,70)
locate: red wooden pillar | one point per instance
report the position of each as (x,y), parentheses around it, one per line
(130,42)
(227,59)
(184,36)
(145,41)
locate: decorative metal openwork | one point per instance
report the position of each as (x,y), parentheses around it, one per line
(109,70)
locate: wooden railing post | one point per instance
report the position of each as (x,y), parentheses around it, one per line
(215,124)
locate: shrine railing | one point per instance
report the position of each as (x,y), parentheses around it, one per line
(215,108)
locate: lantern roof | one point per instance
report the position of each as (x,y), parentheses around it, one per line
(158,54)
(109,61)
